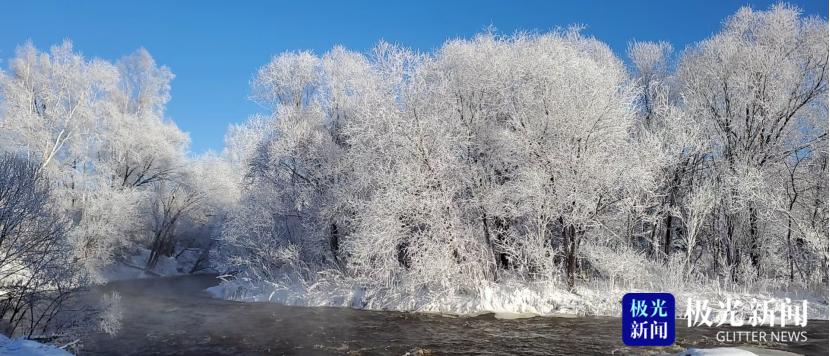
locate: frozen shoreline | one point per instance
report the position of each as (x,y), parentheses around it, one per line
(509,300)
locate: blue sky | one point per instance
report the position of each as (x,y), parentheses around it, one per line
(215,47)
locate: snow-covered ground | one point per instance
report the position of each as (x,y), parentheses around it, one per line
(22,347)
(506,300)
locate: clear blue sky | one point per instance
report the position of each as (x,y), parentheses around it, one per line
(215,47)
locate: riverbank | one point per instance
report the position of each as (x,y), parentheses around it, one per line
(175,315)
(505,300)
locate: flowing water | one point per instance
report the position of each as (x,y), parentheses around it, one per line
(174,316)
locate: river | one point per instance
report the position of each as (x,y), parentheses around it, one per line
(173,315)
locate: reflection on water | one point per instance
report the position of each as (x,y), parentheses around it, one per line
(174,316)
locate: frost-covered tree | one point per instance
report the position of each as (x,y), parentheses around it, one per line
(503,157)
(759,90)
(286,158)
(52,103)
(674,144)
(143,146)
(99,132)
(37,276)
(496,154)
(172,202)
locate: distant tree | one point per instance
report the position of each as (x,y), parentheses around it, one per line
(172,201)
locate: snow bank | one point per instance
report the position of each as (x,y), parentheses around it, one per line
(505,300)
(23,347)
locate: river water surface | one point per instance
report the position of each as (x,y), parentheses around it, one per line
(175,316)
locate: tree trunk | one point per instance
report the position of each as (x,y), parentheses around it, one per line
(790,248)
(754,249)
(488,241)
(570,243)
(667,238)
(733,254)
(334,242)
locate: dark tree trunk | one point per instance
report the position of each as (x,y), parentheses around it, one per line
(488,240)
(667,240)
(403,255)
(652,251)
(733,254)
(790,248)
(754,247)
(334,242)
(570,242)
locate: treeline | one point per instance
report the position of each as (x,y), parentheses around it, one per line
(542,157)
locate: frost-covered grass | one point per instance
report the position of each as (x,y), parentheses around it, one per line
(506,299)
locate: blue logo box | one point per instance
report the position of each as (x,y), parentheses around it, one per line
(648,319)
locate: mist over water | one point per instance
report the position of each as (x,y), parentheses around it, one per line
(165,316)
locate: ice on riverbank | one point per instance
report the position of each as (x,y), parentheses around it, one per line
(506,299)
(23,347)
